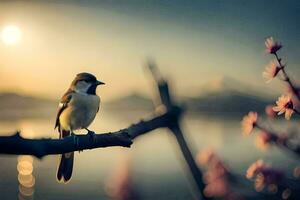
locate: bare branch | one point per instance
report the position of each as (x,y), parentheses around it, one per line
(175,128)
(15,144)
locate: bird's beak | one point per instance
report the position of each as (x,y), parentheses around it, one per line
(100,83)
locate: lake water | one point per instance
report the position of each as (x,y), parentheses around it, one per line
(154,162)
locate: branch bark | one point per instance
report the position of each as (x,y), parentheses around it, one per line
(18,145)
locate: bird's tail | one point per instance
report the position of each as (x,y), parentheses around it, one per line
(65,167)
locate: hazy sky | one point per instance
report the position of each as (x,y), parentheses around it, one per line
(193,42)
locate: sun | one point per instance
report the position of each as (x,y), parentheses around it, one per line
(11,34)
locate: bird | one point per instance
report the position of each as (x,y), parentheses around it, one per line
(76,111)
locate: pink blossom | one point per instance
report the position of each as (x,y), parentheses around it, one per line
(284,104)
(264,174)
(271,70)
(248,122)
(216,176)
(297,172)
(269,111)
(264,139)
(255,168)
(272,46)
(205,157)
(286,194)
(217,188)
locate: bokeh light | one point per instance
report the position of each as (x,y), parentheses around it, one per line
(25,177)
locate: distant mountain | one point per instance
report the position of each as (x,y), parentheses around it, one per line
(222,95)
(227,102)
(133,102)
(224,84)
(227,95)
(14,105)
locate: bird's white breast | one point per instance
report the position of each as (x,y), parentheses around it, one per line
(80,112)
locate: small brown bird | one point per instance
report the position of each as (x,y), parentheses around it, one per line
(77,110)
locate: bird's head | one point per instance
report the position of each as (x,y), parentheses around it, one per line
(85,83)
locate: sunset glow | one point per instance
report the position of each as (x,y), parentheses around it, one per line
(11,34)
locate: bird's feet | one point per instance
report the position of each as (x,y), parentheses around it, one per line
(92,136)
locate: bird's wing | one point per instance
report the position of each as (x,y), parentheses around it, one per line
(63,104)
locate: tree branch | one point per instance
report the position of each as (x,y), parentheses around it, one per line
(174,126)
(18,145)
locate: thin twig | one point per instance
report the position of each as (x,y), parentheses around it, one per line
(286,77)
(296,111)
(286,145)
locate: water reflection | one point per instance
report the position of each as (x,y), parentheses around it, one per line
(25,177)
